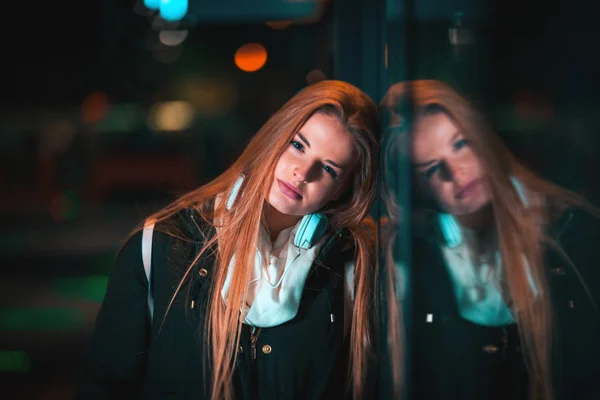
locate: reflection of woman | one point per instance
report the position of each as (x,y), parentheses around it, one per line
(247,302)
(499,309)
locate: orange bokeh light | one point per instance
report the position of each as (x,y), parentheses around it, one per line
(251,57)
(94,107)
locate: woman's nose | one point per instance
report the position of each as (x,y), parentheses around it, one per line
(304,172)
(454,171)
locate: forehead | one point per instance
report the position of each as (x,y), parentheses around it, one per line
(328,139)
(432,135)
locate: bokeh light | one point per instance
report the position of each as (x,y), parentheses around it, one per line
(209,97)
(172,37)
(65,206)
(87,288)
(167,54)
(385,56)
(172,116)
(158,23)
(314,76)
(94,107)
(152,4)
(36,319)
(278,25)
(14,361)
(251,57)
(173,10)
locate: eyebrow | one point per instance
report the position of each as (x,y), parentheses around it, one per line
(425,164)
(334,164)
(457,133)
(305,140)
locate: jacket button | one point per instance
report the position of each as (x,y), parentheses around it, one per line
(240,349)
(557,271)
(202,272)
(571,304)
(266,349)
(490,349)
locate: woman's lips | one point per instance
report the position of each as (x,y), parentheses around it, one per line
(468,189)
(289,190)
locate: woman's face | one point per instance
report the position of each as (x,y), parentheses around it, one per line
(314,169)
(447,167)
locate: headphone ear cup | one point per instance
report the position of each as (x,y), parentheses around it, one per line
(450,230)
(311,230)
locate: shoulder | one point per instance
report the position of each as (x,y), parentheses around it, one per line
(173,238)
(575,224)
(578,235)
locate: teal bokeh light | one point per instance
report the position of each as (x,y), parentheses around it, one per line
(152,4)
(173,10)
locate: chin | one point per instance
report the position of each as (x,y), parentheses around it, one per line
(471,208)
(280,204)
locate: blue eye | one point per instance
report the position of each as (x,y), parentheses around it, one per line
(460,144)
(297,145)
(330,171)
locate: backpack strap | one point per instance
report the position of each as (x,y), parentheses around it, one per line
(147,234)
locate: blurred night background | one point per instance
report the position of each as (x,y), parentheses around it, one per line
(108,112)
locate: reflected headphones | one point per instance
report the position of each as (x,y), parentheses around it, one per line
(451,229)
(311,228)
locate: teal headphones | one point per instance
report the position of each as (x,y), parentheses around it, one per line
(449,225)
(312,226)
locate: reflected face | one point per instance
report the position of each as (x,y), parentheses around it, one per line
(314,169)
(447,167)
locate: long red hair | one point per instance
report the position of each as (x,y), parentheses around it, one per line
(521,230)
(239,229)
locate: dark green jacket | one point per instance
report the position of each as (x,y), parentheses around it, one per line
(305,358)
(452,358)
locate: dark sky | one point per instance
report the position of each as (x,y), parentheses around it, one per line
(57,52)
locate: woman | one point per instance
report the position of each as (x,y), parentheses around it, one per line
(242,307)
(504,276)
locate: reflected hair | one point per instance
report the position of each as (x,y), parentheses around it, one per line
(521,230)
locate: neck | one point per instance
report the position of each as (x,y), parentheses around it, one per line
(276,221)
(481,224)
(480,221)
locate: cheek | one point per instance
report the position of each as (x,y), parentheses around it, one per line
(324,191)
(441,193)
(282,163)
(323,194)
(472,162)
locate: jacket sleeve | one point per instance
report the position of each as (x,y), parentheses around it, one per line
(582,248)
(115,364)
(581,329)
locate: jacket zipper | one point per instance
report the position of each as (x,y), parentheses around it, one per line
(253,340)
